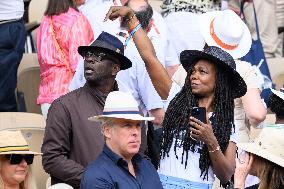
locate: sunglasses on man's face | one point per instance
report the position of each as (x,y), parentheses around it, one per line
(18,158)
(100,56)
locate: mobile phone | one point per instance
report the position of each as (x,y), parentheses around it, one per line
(199,113)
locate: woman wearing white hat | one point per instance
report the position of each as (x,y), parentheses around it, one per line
(15,161)
(265,159)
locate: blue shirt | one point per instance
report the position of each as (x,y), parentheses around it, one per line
(109,170)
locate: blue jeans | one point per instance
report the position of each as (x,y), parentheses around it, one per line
(169,182)
(12,46)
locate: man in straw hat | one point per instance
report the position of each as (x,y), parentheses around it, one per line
(15,161)
(71,142)
(264,158)
(120,165)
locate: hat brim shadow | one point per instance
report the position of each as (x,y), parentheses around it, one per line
(255,149)
(190,57)
(244,45)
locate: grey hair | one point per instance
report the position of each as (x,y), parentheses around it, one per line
(104,123)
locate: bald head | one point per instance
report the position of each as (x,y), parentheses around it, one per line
(143,11)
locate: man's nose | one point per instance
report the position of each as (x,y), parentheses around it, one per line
(135,130)
(89,59)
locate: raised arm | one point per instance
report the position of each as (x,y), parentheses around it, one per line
(159,77)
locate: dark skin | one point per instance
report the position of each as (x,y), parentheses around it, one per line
(101,73)
(223,163)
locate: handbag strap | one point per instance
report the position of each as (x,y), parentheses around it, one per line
(57,46)
(255,18)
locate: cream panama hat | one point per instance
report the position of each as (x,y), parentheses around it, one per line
(13,142)
(269,144)
(226,30)
(120,105)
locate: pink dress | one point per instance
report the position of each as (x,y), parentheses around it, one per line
(72,30)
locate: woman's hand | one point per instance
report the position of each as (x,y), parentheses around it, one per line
(119,11)
(203,132)
(243,166)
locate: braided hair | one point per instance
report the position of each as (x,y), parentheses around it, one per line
(177,120)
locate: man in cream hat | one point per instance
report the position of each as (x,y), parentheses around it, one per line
(120,165)
(265,158)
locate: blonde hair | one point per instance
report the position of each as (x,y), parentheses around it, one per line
(28,183)
(270,174)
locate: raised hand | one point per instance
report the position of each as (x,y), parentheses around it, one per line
(243,166)
(119,11)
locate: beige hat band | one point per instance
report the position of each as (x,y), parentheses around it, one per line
(14,148)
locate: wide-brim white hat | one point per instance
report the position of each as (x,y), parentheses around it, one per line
(228,29)
(280,94)
(268,145)
(120,105)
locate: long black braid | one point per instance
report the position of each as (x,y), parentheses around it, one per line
(177,120)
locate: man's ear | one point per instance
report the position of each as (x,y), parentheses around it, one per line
(115,69)
(107,131)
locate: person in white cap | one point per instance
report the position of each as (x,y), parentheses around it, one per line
(15,161)
(120,165)
(265,159)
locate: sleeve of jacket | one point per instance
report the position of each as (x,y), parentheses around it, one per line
(56,146)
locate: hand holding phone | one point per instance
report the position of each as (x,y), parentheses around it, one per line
(199,113)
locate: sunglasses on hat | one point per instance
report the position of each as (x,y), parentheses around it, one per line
(18,158)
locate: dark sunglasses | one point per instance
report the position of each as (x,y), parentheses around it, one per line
(18,158)
(99,56)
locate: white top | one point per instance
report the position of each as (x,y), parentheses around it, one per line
(11,9)
(171,166)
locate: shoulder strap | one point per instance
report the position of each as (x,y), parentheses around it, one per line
(255,18)
(58,48)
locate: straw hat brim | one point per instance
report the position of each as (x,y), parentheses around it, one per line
(135,117)
(20,152)
(278,93)
(244,45)
(257,150)
(189,57)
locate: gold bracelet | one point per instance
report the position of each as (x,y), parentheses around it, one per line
(212,151)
